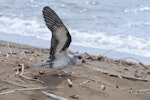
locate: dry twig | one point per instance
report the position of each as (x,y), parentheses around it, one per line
(22,89)
(92,79)
(120,76)
(145,90)
(13,83)
(126,77)
(9,48)
(23,76)
(53,96)
(74,97)
(137,61)
(84,82)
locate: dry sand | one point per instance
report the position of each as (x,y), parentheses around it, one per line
(99,78)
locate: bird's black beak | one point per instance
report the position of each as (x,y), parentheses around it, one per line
(83,61)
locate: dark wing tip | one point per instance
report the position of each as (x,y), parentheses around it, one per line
(54,23)
(46,7)
(51,18)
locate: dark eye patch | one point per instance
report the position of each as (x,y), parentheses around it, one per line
(79,57)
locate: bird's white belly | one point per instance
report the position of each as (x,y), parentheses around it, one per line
(61,63)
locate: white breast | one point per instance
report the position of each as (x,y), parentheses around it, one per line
(61,62)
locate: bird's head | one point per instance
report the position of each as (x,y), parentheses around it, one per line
(76,59)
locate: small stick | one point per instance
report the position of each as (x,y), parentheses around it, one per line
(69,83)
(28,78)
(74,97)
(7,92)
(9,48)
(13,83)
(126,77)
(23,89)
(129,78)
(53,96)
(143,90)
(91,79)
(120,76)
(32,88)
(84,82)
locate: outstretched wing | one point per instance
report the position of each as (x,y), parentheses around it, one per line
(61,38)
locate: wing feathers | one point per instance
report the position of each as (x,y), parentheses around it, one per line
(61,38)
(51,18)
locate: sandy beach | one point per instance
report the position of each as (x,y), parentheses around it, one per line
(98,78)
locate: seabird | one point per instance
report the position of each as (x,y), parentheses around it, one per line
(60,41)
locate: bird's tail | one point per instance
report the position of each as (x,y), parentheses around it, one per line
(42,64)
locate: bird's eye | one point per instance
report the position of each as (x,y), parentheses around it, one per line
(79,57)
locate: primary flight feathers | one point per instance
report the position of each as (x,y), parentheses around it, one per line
(51,19)
(61,38)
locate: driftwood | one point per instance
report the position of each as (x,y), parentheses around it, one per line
(14,83)
(22,89)
(53,96)
(145,90)
(125,77)
(120,76)
(137,61)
